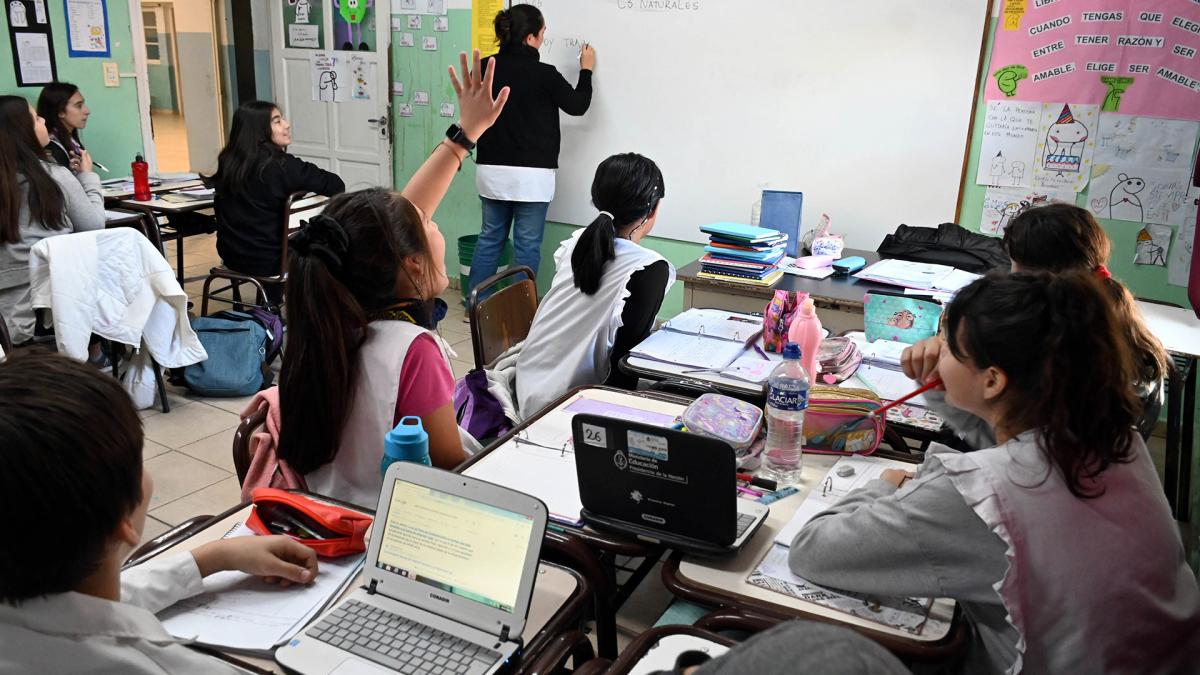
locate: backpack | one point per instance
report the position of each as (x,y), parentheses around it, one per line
(274,325)
(475,408)
(237,346)
(947,244)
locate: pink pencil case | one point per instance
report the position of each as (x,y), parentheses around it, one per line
(812,262)
(829,409)
(729,419)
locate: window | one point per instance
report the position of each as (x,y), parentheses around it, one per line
(152,21)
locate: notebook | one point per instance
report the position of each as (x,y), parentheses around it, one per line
(448,580)
(781,211)
(741,232)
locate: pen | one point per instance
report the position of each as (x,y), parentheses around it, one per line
(748,491)
(758,481)
(100,166)
(761,352)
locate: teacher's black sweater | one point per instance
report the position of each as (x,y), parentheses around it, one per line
(526,134)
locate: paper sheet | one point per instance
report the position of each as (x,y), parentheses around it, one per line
(886,352)
(87,26)
(1066,143)
(1142,195)
(1010,133)
(33,53)
(750,367)
(888,383)
(697,351)
(1180,264)
(240,611)
(908,614)
(1001,205)
(1146,142)
(832,488)
(1153,242)
(716,323)
(905,273)
(330,79)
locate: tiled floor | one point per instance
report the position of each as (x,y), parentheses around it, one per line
(170,142)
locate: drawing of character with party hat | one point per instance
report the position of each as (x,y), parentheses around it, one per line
(1064,143)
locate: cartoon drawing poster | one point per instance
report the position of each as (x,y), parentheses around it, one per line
(354,25)
(1137,57)
(1141,195)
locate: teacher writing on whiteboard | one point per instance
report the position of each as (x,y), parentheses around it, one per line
(517,158)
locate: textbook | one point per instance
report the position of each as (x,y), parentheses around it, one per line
(771,255)
(740,232)
(768,280)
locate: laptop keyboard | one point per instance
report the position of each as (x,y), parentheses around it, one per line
(400,644)
(745,520)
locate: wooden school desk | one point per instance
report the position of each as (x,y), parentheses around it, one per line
(1179,331)
(124,190)
(581,547)
(560,597)
(721,582)
(839,299)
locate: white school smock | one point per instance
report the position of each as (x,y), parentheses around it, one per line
(78,633)
(1093,585)
(515,183)
(354,475)
(572,335)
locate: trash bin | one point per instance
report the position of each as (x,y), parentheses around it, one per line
(466,253)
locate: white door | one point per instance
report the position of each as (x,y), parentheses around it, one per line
(350,137)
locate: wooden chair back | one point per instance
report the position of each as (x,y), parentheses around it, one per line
(504,318)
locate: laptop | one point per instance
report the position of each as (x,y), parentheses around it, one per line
(448,580)
(662,485)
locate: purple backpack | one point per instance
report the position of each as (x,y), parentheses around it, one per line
(476,409)
(274,327)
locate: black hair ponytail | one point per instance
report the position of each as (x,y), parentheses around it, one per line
(626,189)
(516,23)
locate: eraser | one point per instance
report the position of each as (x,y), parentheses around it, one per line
(812,262)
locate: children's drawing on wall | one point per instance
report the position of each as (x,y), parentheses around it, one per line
(1180,263)
(1009,139)
(1145,142)
(1066,143)
(354,25)
(302,24)
(1152,244)
(331,80)
(1008,77)
(1001,205)
(1141,195)
(16,15)
(359,68)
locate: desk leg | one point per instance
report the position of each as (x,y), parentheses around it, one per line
(1187,439)
(1175,385)
(579,556)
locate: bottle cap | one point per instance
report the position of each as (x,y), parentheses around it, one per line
(791,351)
(138,158)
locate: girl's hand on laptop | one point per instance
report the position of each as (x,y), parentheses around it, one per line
(278,559)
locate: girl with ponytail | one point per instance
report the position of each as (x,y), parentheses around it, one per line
(1057,542)
(606,292)
(1060,238)
(363,285)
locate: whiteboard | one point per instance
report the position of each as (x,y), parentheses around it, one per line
(862,105)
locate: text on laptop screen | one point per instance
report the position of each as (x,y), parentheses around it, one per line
(455,544)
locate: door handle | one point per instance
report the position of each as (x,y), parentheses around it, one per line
(378,120)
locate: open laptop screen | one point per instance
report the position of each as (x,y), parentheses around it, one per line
(458,545)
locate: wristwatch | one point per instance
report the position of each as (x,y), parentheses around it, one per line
(457,136)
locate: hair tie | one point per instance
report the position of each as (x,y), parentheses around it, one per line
(324,238)
(1103,273)
(610,216)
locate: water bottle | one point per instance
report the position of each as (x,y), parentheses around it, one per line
(787,399)
(408,442)
(141,179)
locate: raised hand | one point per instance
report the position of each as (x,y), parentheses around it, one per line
(478,109)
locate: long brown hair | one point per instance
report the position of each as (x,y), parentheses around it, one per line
(1063,347)
(22,160)
(1063,237)
(344,266)
(51,103)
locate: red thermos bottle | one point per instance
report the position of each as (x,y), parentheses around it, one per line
(141,179)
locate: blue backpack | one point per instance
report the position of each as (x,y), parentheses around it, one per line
(237,346)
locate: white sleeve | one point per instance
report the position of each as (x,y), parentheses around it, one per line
(160,583)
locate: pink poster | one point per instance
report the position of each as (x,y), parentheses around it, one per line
(1137,57)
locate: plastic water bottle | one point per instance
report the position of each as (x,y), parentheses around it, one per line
(408,442)
(141,179)
(787,399)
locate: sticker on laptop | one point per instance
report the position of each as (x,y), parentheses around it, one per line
(645,445)
(595,436)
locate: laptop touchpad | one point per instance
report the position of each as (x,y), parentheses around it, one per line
(359,667)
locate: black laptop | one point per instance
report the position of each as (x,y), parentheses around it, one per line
(662,485)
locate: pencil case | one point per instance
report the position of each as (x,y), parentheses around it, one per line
(839,358)
(729,419)
(827,428)
(777,318)
(900,318)
(330,530)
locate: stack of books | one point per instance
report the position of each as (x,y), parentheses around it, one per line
(742,254)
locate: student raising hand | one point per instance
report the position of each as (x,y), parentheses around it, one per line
(479,109)
(275,558)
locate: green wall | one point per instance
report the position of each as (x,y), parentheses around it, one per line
(114,134)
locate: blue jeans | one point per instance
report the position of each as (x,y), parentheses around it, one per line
(528,221)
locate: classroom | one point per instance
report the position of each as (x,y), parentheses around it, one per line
(922,300)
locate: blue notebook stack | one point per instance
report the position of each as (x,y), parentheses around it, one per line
(742,253)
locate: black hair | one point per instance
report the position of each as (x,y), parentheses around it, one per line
(516,23)
(344,265)
(626,189)
(23,160)
(249,148)
(1060,342)
(51,103)
(71,451)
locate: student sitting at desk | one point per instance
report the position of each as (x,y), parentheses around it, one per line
(38,199)
(255,175)
(606,292)
(61,104)
(364,279)
(71,448)
(1057,543)
(1057,238)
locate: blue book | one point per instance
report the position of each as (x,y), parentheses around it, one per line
(769,256)
(781,212)
(738,231)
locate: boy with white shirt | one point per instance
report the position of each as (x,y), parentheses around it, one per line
(71,478)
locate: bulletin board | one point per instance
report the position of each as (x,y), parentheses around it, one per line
(32,42)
